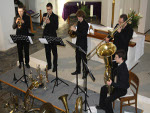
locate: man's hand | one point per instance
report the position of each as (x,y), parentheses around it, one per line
(109,82)
(47,21)
(22,21)
(107,39)
(73,28)
(18,19)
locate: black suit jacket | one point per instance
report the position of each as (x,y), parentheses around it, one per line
(24,30)
(50,29)
(122,77)
(82,29)
(122,39)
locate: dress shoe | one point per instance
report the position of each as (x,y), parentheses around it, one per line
(49,67)
(99,107)
(19,66)
(75,73)
(54,69)
(27,65)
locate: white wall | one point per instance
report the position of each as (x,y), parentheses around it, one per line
(6,21)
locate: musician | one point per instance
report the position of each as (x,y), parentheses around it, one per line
(24,30)
(123,35)
(81,32)
(50,30)
(120,87)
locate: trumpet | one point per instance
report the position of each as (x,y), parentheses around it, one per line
(110,34)
(44,22)
(19,23)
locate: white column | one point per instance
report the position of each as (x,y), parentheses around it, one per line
(7,12)
(144,24)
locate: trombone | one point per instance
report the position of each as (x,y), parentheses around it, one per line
(110,34)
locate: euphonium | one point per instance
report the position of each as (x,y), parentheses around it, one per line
(44,22)
(71,33)
(63,98)
(107,50)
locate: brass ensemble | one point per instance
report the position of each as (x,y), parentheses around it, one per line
(78,105)
(71,33)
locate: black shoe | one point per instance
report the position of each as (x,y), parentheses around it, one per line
(27,65)
(49,67)
(19,66)
(54,69)
(75,73)
(99,107)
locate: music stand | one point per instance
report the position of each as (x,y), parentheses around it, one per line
(56,41)
(15,39)
(77,86)
(85,73)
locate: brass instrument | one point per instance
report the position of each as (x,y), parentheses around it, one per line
(47,108)
(107,50)
(44,22)
(19,23)
(78,105)
(91,54)
(46,73)
(71,33)
(63,98)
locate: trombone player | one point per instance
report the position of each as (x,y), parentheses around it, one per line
(123,35)
(81,32)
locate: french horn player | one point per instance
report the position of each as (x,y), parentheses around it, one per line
(81,32)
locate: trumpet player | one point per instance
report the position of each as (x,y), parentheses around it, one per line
(22,25)
(123,35)
(51,25)
(120,87)
(81,32)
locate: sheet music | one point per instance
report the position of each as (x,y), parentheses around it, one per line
(11,41)
(30,40)
(43,40)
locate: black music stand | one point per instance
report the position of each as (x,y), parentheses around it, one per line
(77,86)
(15,39)
(85,73)
(56,41)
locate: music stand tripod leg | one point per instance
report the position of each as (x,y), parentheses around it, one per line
(56,81)
(24,75)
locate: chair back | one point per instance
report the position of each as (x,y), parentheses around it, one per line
(134,82)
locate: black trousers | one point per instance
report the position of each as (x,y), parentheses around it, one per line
(106,102)
(48,49)
(79,57)
(23,46)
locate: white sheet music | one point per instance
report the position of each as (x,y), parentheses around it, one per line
(30,40)
(43,40)
(11,41)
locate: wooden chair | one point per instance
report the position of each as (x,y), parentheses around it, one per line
(134,85)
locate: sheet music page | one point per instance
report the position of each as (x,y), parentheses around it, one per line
(30,40)
(43,40)
(11,41)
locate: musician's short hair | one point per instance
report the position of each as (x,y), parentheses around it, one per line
(49,5)
(21,6)
(121,54)
(80,13)
(124,16)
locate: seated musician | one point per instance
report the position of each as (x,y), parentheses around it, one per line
(119,88)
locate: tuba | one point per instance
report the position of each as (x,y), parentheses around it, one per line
(71,33)
(107,50)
